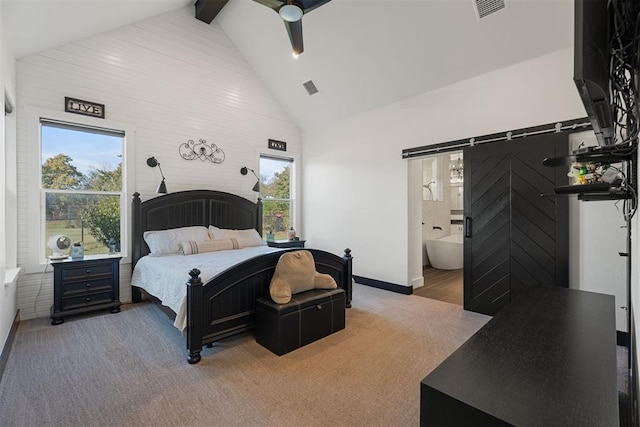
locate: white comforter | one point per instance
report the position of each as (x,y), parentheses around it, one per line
(165,277)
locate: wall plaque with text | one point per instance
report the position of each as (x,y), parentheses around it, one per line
(87,108)
(277,145)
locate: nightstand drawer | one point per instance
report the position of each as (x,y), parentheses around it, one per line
(87,286)
(87,300)
(91,270)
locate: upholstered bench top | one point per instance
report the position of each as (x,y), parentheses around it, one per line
(302,300)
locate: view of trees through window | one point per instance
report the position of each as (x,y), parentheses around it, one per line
(82,185)
(276,196)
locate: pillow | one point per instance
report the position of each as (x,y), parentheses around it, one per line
(163,242)
(191,247)
(246,238)
(296,272)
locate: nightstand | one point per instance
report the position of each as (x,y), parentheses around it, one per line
(287,243)
(85,285)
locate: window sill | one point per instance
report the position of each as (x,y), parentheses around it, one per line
(11,276)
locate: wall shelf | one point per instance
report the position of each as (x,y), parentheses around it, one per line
(593,154)
(600,190)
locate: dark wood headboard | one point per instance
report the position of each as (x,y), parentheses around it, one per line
(194,207)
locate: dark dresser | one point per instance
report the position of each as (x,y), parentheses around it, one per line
(546,359)
(86,285)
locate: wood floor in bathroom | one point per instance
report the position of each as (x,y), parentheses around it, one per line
(442,285)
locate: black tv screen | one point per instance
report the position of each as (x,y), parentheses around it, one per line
(591,66)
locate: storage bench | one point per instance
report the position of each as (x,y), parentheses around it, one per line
(309,316)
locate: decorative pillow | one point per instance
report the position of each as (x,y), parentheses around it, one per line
(296,272)
(191,247)
(246,238)
(163,242)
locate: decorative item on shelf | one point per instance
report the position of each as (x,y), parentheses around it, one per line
(77,251)
(152,163)
(58,245)
(244,170)
(291,234)
(112,246)
(201,150)
(593,173)
(270,237)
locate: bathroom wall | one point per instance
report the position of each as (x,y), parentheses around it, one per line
(442,206)
(435,213)
(457,196)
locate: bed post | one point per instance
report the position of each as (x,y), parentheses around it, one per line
(259,214)
(348,275)
(194,317)
(136,296)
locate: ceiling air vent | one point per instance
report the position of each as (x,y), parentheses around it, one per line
(310,87)
(485,8)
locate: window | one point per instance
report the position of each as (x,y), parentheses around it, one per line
(276,192)
(81,184)
(78,183)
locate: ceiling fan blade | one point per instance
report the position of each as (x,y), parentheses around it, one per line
(295,35)
(273,4)
(309,5)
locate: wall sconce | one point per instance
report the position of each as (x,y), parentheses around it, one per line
(152,163)
(244,170)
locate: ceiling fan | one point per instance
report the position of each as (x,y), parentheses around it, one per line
(291,12)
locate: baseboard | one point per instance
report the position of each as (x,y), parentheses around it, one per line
(4,356)
(622,338)
(406,290)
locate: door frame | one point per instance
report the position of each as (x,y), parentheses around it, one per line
(414,180)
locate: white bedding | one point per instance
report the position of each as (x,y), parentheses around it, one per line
(165,277)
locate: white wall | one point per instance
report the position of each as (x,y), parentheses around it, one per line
(355,167)
(8,305)
(598,234)
(171,77)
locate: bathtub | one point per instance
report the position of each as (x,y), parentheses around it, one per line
(447,252)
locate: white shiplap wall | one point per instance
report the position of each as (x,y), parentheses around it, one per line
(173,78)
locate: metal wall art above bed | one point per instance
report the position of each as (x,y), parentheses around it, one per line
(202,151)
(225,304)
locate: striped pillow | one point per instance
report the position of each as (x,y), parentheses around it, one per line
(192,247)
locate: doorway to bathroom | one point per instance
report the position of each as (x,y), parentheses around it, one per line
(442,228)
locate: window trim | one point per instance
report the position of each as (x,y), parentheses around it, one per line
(34,214)
(295,184)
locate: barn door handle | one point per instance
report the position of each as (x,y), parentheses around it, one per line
(467,226)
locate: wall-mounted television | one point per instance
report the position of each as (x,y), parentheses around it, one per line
(591,66)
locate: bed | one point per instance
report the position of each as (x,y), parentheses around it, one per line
(223,305)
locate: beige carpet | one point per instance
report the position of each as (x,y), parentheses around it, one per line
(130,369)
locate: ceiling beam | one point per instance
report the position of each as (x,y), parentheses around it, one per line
(206,10)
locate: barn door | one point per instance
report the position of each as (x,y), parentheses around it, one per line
(514,237)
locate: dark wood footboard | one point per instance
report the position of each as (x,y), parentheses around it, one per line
(225,305)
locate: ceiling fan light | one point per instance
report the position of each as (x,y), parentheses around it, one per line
(290,13)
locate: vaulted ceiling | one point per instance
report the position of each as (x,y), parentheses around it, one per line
(360,54)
